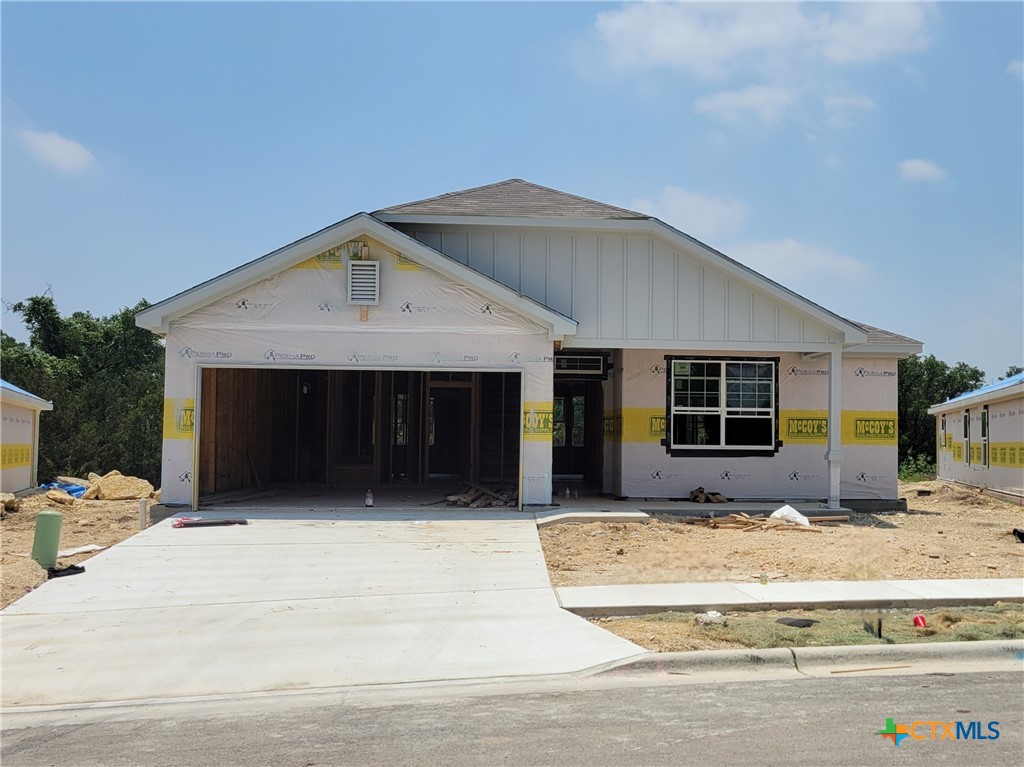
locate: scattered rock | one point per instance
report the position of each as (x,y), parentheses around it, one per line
(156,495)
(59,496)
(9,501)
(94,477)
(620,552)
(114,473)
(92,492)
(116,487)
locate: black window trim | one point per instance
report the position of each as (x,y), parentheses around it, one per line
(717,452)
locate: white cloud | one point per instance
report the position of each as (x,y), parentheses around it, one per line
(1016,68)
(862,32)
(763,102)
(921,170)
(58,152)
(711,40)
(702,216)
(705,40)
(842,109)
(797,265)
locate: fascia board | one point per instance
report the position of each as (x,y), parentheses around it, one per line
(853,333)
(698,346)
(158,317)
(987,398)
(901,351)
(29,401)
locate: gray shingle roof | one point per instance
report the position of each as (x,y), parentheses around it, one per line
(879,336)
(513,197)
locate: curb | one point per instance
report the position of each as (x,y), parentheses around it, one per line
(823,661)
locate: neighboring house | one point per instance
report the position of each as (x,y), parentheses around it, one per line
(19,437)
(516,334)
(980,437)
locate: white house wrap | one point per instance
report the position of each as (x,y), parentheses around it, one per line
(520,333)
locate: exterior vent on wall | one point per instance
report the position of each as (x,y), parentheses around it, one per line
(364,282)
(580,365)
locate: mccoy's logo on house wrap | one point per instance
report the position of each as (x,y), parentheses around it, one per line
(179,417)
(359,357)
(330,306)
(733,475)
(656,425)
(806,427)
(795,371)
(438,358)
(246,304)
(658,369)
(275,356)
(932,730)
(612,425)
(185,476)
(409,308)
(189,353)
(186,419)
(865,373)
(874,428)
(538,421)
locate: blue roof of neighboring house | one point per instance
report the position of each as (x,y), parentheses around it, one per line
(1004,384)
(18,390)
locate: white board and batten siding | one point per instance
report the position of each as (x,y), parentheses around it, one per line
(626,290)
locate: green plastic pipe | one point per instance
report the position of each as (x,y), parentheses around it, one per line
(47,540)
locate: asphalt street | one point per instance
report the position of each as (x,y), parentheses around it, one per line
(654,720)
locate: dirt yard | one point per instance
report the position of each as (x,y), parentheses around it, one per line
(950,533)
(102,523)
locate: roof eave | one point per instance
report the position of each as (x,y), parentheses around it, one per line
(966,401)
(30,401)
(897,350)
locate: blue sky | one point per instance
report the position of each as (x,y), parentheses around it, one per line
(868,156)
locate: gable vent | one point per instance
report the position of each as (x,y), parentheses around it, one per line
(364,282)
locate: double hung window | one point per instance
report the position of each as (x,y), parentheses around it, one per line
(722,404)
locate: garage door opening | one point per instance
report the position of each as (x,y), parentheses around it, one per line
(261,428)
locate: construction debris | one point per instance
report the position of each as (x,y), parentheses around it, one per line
(746,523)
(699,496)
(476,497)
(112,486)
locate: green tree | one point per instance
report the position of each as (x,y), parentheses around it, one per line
(923,382)
(1011,371)
(104,376)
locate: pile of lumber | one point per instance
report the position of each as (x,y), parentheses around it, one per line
(746,523)
(476,497)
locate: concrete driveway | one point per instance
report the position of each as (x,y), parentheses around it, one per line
(329,600)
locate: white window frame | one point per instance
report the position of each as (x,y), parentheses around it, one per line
(725,395)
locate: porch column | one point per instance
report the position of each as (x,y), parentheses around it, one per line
(834,454)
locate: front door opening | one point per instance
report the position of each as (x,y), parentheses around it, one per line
(576,430)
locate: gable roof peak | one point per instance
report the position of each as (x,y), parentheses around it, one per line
(513,197)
